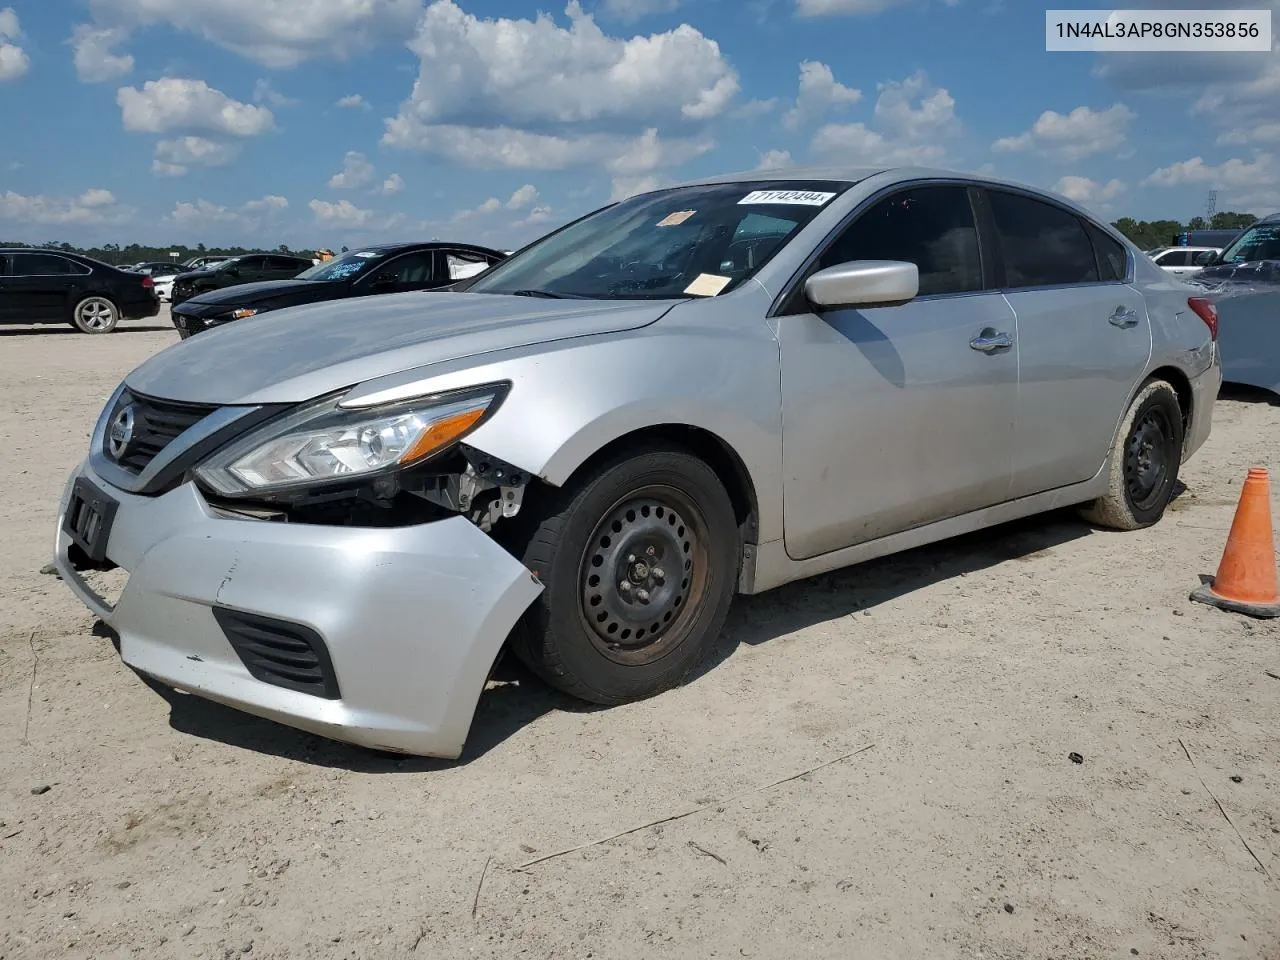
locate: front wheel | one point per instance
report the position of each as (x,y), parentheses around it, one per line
(639,563)
(95,315)
(1143,467)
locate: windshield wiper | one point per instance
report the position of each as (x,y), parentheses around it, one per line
(547,295)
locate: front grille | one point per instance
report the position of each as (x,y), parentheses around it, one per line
(156,424)
(280,652)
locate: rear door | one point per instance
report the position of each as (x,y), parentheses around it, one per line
(42,285)
(1083,332)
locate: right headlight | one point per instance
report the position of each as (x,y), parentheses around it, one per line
(323,443)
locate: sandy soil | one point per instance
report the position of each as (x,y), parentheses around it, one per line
(137,822)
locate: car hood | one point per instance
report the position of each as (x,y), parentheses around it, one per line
(296,354)
(262,294)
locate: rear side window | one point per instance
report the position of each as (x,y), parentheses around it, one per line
(42,265)
(463,265)
(1113,262)
(1174,258)
(932,227)
(1042,245)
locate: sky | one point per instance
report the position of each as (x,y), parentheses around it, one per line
(340,122)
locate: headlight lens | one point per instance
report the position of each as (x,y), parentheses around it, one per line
(323,443)
(244,312)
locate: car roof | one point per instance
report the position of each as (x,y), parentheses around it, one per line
(422,245)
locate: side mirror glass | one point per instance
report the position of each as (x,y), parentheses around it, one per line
(863,283)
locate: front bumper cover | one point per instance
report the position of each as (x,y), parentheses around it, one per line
(412,617)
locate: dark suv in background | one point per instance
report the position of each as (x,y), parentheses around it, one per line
(251,268)
(45,286)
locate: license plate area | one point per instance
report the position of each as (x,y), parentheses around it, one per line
(90,514)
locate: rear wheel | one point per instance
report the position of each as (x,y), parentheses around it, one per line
(1143,467)
(639,562)
(95,315)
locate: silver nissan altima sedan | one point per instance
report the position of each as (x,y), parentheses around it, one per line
(338,515)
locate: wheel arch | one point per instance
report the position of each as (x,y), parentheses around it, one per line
(1181,384)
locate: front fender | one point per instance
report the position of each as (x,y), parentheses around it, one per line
(571,398)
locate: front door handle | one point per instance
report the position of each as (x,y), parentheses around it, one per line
(1123,318)
(989,341)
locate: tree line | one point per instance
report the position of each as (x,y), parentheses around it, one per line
(1146,234)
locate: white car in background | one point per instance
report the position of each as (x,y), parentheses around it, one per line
(1181,261)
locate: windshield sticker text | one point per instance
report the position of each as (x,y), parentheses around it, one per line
(804,198)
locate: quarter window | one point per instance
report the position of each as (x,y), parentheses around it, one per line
(932,227)
(1042,245)
(463,265)
(1113,262)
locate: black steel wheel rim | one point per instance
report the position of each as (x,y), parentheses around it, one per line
(643,575)
(1148,458)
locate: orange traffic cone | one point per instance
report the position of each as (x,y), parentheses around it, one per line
(1246,580)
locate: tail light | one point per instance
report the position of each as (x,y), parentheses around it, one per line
(147,282)
(1204,309)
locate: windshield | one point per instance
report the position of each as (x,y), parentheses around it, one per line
(1259,242)
(686,242)
(344,267)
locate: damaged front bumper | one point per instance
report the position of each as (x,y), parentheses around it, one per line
(378,637)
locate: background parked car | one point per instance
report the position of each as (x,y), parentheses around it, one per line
(250,268)
(201,263)
(1181,261)
(1244,284)
(392,268)
(40,286)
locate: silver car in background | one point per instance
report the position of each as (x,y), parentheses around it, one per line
(338,515)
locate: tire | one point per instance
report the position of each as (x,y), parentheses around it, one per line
(1142,469)
(95,315)
(615,623)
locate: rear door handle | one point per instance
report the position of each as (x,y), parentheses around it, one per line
(1123,318)
(989,341)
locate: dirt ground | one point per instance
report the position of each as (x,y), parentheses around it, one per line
(138,822)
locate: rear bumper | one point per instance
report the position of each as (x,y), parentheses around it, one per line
(411,619)
(1204,391)
(140,309)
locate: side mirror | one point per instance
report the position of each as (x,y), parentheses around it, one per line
(1205,259)
(863,283)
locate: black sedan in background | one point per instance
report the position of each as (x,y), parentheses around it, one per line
(44,286)
(251,268)
(391,268)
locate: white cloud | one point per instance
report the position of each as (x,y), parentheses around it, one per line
(904,133)
(263,92)
(393,184)
(276,33)
(92,206)
(649,152)
(353,102)
(1081,133)
(250,215)
(1244,111)
(192,106)
(629,11)
(523,197)
(539,214)
(341,214)
(1243,183)
(174,157)
(774,160)
(623,187)
(356,172)
(92,53)
(14,61)
(472,103)
(829,8)
(819,93)
(1088,192)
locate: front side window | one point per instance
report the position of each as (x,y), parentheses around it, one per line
(1174,258)
(1259,242)
(671,244)
(1042,245)
(412,268)
(932,227)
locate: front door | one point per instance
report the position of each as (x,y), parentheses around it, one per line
(1084,339)
(42,286)
(895,417)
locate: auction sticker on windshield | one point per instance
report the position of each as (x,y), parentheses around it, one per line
(804,198)
(707,285)
(677,218)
